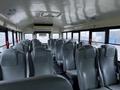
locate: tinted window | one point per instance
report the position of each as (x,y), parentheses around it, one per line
(10,38)
(28,36)
(114,39)
(114,36)
(2,41)
(98,38)
(55,35)
(64,35)
(84,36)
(43,37)
(15,41)
(69,35)
(76,37)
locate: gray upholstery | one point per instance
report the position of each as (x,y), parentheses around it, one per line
(86,68)
(43,62)
(49,44)
(22,47)
(108,67)
(53,45)
(68,56)
(39,83)
(35,43)
(13,65)
(115,87)
(59,52)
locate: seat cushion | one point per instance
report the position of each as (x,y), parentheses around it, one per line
(71,72)
(115,87)
(103,88)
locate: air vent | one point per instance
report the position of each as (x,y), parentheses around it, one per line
(11,12)
(47,14)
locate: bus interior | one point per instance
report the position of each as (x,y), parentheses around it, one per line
(60,45)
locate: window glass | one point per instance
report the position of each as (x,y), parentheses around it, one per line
(114,39)
(43,37)
(28,36)
(18,36)
(15,41)
(55,35)
(114,36)
(98,38)
(10,38)
(2,41)
(64,35)
(76,37)
(84,37)
(69,35)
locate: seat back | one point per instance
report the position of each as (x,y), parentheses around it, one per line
(13,65)
(107,64)
(35,43)
(53,45)
(86,67)
(69,56)
(59,52)
(39,83)
(43,62)
(21,47)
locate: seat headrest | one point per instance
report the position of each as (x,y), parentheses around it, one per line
(38,83)
(109,50)
(87,51)
(9,58)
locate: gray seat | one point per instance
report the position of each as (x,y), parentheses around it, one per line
(49,44)
(69,56)
(35,43)
(21,47)
(53,45)
(86,69)
(59,52)
(43,62)
(13,65)
(108,66)
(39,83)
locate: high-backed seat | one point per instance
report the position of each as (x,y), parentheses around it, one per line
(35,43)
(108,66)
(86,69)
(53,45)
(22,46)
(13,65)
(43,62)
(49,44)
(59,52)
(69,66)
(69,56)
(39,83)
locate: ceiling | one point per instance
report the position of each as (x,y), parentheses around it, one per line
(70,12)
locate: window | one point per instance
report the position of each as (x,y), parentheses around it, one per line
(28,36)
(15,41)
(69,35)
(18,38)
(114,39)
(43,37)
(55,35)
(10,38)
(76,37)
(84,37)
(64,35)
(2,41)
(98,38)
